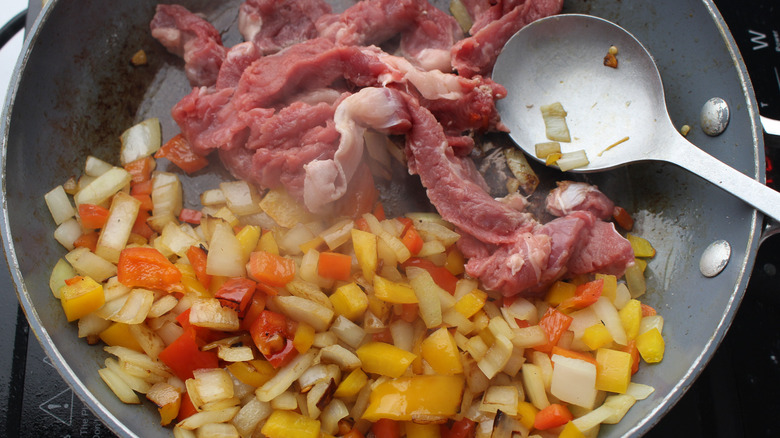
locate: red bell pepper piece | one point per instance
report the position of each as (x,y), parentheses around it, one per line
(379,211)
(197,257)
(334,265)
(623,219)
(190,216)
(552,416)
(271,269)
(463,428)
(204,335)
(441,276)
(412,240)
(362,224)
(236,293)
(647,310)
(140,226)
(634,352)
(93,216)
(585,295)
(386,428)
(146,201)
(147,267)
(256,307)
(354,433)
(272,335)
(87,240)
(141,169)
(179,152)
(555,323)
(142,188)
(184,356)
(187,408)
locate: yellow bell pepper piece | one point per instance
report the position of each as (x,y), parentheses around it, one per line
(303,338)
(82,297)
(385,359)
(414,430)
(613,370)
(118,334)
(349,301)
(526,414)
(441,353)
(365,252)
(190,281)
(290,424)
(408,397)
(268,243)
(641,263)
(216,282)
(378,307)
(311,244)
(225,214)
(455,262)
(651,345)
(352,384)
(248,238)
(571,431)
(253,373)
(641,247)
(596,336)
(609,289)
(560,291)
(471,303)
(393,292)
(631,317)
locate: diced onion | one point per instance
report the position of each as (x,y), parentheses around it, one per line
(59,205)
(572,160)
(543,150)
(67,233)
(140,140)
(555,122)
(96,167)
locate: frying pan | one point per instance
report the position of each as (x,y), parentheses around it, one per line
(75,92)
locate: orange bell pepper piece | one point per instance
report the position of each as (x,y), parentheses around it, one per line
(197,257)
(334,265)
(141,169)
(147,267)
(585,295)
(179,152)
(271,269)
(552,416)
(555,323)
(93,216)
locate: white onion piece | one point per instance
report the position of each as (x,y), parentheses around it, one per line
(67,233)
(59,205)
(140,140)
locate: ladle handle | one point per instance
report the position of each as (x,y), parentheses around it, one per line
(727,178)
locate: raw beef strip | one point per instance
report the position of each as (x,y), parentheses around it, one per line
(602,250)
(275,24)
(429,40)
(449,183)
(236,61)
(477,54)
(372,21)
(194,39)
(572,196)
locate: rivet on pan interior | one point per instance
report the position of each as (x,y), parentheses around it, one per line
(715,258)
(714,116)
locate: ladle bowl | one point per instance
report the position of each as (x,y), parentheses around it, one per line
(616,115)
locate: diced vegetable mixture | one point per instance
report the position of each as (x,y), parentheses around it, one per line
(249,317)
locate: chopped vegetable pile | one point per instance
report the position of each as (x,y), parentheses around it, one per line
(249,317)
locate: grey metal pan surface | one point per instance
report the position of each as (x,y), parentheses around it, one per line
(76,91)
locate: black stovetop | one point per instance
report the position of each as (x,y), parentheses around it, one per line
(736,394)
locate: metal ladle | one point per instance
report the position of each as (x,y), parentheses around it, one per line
(560,59)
